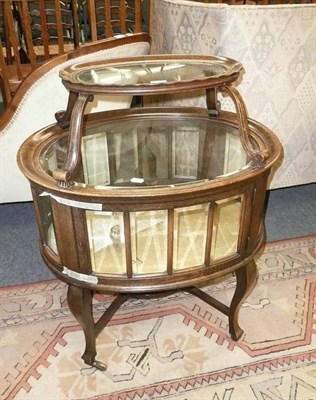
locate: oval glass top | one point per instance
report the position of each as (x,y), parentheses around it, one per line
(151,152)
(150,70)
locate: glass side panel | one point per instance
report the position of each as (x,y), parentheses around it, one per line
(190,229)
(106,240)
(151,151)
(226,227)
(149,241)
(47,223)
(150,72)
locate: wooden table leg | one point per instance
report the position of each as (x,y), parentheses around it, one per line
(246,279)
(80,304)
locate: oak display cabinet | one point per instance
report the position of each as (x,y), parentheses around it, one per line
(144,201)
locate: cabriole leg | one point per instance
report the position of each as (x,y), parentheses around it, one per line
(246,278)
(80,304)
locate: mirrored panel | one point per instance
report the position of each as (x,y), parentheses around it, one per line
(54,156)
(47,223)
(234,155)
(107,242)
(149,241)
(185,148)
(190,229)
(95,160)
(226,225)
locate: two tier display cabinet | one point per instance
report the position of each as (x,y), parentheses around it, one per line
(144,201)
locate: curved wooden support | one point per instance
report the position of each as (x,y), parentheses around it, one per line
(212,103)
(63,117)
(64,175)
(80,304)
(258,156)
(246,279)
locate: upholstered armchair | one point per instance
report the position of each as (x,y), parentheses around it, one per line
(42,94)
(276,45)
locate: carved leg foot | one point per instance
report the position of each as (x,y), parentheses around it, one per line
(246,278)
(80,304)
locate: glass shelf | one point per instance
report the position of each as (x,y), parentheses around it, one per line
(149,73)
(152,152)
(153,71)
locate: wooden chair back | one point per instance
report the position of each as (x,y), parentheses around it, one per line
(107,18)
(34,31)
(49,27)
(13,69)
(256,2)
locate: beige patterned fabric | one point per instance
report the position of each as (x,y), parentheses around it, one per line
(277,47)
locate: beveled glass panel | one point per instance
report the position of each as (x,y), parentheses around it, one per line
(142,152)
(149,241)
(190,229)
(47,223)
(226,225)
(107,242)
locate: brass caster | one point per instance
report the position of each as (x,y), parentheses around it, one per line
(99,365)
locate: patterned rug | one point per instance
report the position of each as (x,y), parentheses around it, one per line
(174,348)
